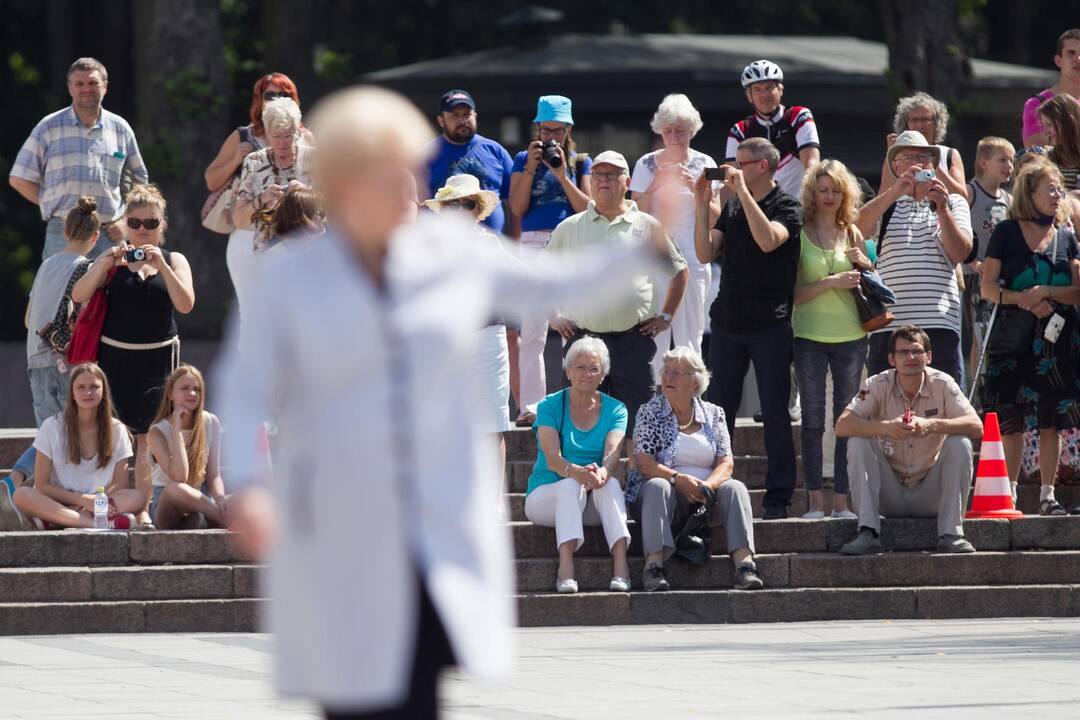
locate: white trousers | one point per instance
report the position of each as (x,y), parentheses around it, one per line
(568,507)
(689,320)
(240,259)
(534,332)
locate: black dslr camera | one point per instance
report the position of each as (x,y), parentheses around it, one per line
(550,153)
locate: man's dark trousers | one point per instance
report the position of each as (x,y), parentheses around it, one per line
(770,349)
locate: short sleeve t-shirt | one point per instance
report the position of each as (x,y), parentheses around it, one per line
(48,290)
(1032,123)
(757,289)
(548,204)
(579,447)
(1021,268)
(682,227)
(481,157)
(213,447)
(86,476)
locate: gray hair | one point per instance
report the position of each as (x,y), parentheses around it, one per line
(89,64)
(592,346)
(676,108)
(761,149)
(281,113)
(922,100)
(690,357)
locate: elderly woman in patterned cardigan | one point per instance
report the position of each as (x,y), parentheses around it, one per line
(682,455)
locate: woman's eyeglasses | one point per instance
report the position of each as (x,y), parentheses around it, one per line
(464,204)
(148,223)
(552,132)
(271,95)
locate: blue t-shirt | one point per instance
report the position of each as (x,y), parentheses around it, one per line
(548,206)
(580,447)
(481,157)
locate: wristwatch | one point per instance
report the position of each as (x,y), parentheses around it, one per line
(666,317)
(672,478)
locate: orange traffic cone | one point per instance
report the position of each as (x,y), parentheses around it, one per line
(264,464)
(993,495)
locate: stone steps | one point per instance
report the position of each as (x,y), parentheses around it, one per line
(798,605)
(151,616)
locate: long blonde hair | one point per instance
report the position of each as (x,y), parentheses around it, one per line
(104,418)
(850,195)
(195,446)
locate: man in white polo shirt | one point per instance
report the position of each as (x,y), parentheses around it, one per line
(925,233)
(629,322)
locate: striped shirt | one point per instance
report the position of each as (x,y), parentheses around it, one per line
(912,262)
(67,159)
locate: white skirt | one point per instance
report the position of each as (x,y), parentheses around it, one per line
(492,375)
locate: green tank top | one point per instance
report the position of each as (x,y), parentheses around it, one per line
(831,317)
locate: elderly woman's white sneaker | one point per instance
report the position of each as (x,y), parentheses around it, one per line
(843,515)
(567,586)
(619,584)
(813,515)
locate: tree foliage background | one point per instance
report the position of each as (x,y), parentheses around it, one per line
(181,72)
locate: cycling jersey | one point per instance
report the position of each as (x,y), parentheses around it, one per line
(790,130)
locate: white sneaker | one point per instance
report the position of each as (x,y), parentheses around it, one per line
(813,515)
(843,515)
(566,587)
(619,584)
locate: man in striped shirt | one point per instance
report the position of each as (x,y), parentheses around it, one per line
(81,150)
(925,233)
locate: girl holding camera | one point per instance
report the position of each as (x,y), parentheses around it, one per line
(144,284)
(549,183)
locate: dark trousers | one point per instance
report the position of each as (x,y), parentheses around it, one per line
(730,355)
(945,355)
(630,380)
(432,654)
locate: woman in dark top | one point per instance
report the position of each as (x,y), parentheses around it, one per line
(1033,262)
(139,346)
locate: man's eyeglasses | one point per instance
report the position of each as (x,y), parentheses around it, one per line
(463,204)
(271,95)
(910,352)
(608,175)
(914,157)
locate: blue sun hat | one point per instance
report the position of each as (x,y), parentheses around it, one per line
(553,108)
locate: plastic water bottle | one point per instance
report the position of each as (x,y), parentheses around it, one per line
(101,510)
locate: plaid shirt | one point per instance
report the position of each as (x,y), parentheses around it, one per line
(67,159)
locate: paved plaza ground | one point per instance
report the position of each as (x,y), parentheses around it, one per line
(1016,668)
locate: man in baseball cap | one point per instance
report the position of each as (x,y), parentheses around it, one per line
(460,150)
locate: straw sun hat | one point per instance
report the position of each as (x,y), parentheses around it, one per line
(463,187)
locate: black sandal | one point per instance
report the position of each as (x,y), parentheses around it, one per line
(1051,507)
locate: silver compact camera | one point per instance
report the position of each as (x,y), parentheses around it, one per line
(1053,328)
(924,176)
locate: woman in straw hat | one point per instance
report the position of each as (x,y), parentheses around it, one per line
(384,490)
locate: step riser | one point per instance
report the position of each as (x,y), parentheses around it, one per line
(694,607)
(185,616)
(748,440)
(66,585)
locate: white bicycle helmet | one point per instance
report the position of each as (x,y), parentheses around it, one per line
(761,70)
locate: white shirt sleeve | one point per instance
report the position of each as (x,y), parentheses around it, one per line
(642,176)
(47,440)
(121,442)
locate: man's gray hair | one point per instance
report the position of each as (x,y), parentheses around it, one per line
(687,355)
(676,108)
(281,113)
(761,149)
(922,100)
(592,346)
(89,64)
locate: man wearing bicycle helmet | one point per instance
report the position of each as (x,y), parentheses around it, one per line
(791,129)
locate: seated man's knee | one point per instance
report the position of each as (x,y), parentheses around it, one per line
(957,444)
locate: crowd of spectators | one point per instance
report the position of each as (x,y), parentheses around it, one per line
(770,251)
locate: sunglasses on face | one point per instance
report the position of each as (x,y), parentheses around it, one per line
(148,223)
(464,204)
(271,95)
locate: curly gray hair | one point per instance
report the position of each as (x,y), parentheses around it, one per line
(697,366)
(922,100)
(281,114)
(676,108)
(592,346)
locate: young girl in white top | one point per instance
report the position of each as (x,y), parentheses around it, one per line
(185,456)
(78,451)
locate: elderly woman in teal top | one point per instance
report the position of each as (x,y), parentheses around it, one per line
(580,431)
(1033,262)
(825,322)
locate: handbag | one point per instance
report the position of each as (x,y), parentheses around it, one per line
(57,332)
(86,336)
(1014,327)
(873,315)
(693,540)
(217,210)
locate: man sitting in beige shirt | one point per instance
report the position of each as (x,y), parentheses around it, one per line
(627,324)
(909,452)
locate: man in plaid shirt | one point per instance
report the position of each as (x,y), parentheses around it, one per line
(82,149)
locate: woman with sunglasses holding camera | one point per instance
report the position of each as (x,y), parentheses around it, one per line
(549,183)
(144,285)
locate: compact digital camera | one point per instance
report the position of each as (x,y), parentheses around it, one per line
(135,255)
(924,176)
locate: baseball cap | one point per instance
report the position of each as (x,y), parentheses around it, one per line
(456,97)
(610,157)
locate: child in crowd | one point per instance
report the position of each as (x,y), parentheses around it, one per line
(78,451)
(989,203)
(49,318)
(185,456)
